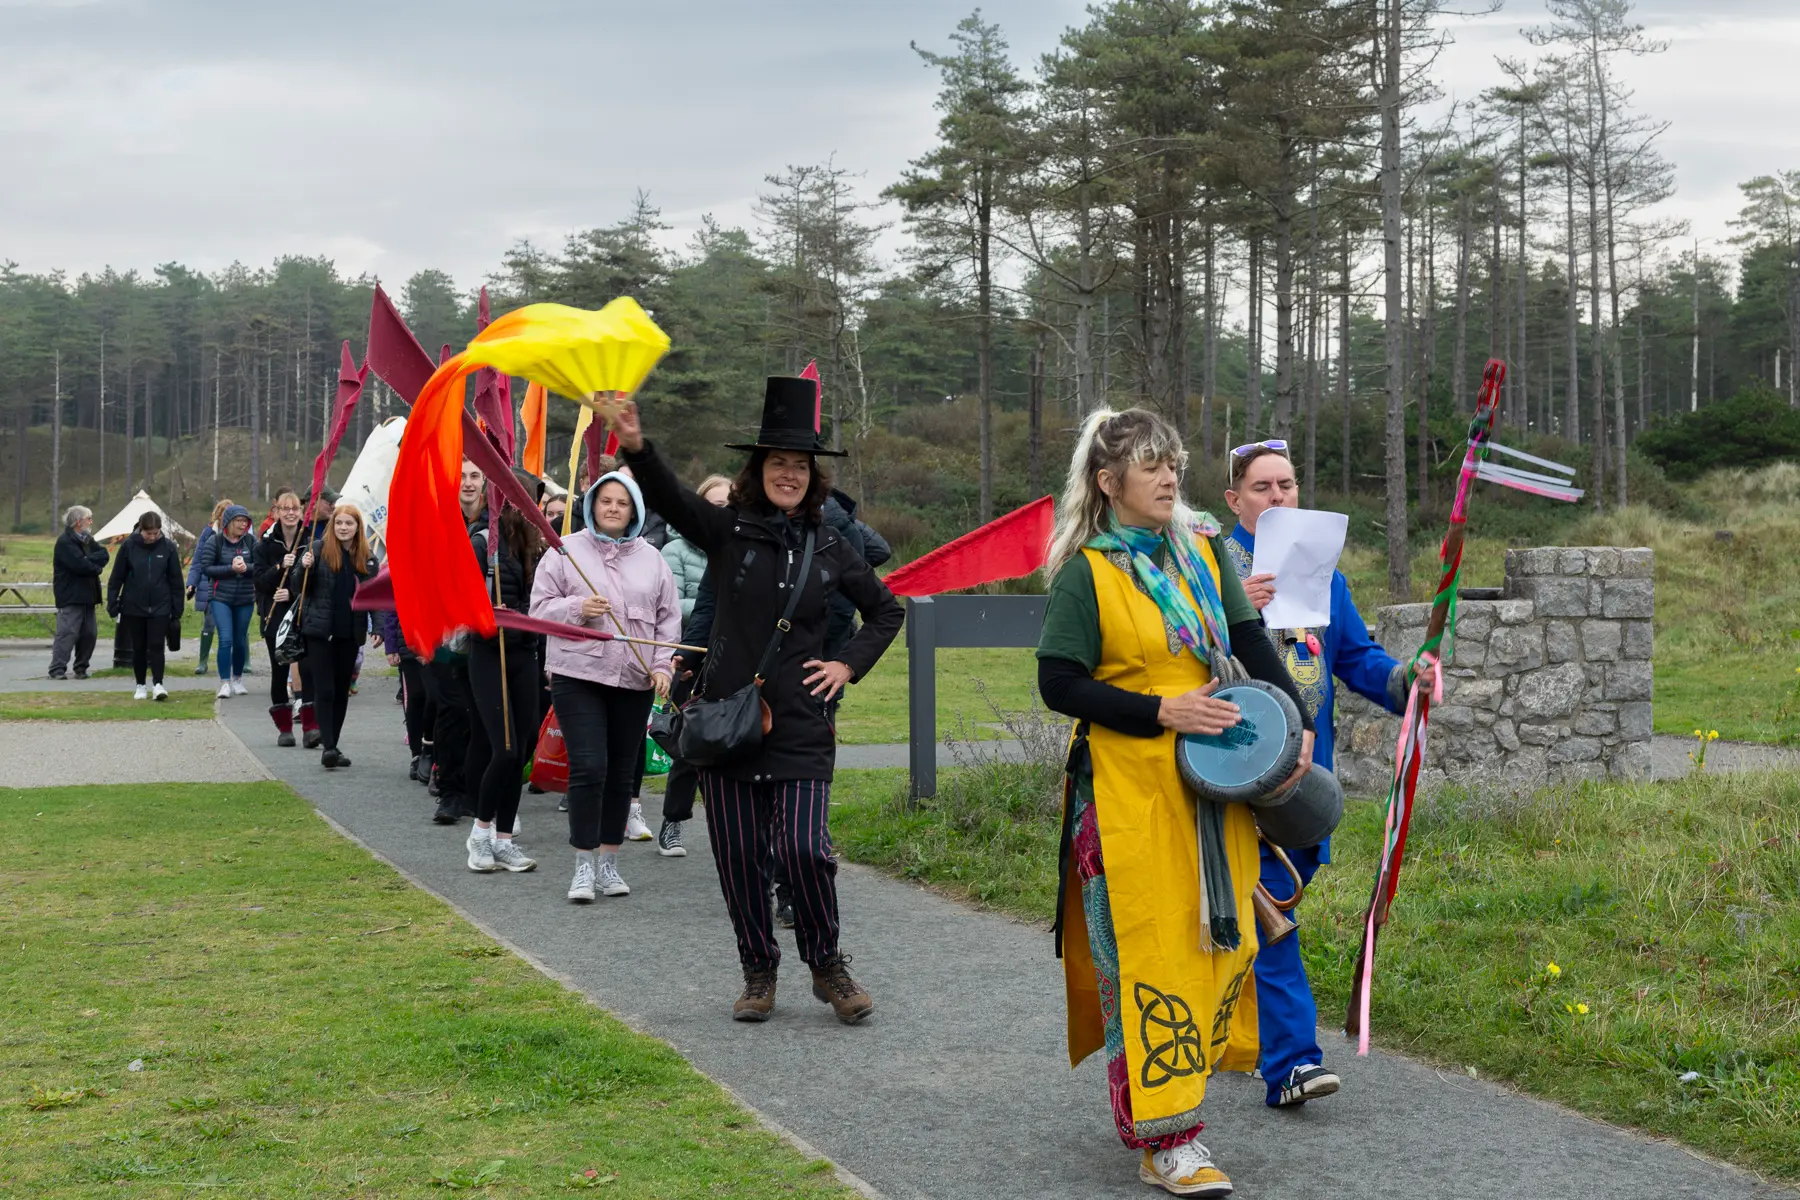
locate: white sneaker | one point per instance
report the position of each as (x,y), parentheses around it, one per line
(142,693)
(581,891)
(1184,1171)
(635,829)
(508,857)
(224,692)
(608,880)
(517,825)
(159,692)
(237,686)
(481,849)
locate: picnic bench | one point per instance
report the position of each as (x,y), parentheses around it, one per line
(28,605)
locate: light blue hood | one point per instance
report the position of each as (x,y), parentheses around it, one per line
(637,507)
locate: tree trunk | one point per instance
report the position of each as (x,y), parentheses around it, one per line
(1343,380)
(1459,366)
(56,421)
(130,431)
(1520,368)
(1283,425)
(1399,557)
(1596,336)
(985,304)
(1572,394)
(1253,405)
(1209,371)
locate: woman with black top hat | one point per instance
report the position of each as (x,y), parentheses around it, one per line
(766,543)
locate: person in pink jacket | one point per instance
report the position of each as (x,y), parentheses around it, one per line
(603,690)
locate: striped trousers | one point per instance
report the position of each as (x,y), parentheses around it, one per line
(744,821)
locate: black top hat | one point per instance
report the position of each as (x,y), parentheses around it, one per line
(790,418)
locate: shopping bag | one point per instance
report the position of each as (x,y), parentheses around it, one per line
(550,765)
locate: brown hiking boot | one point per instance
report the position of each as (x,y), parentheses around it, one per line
(758,998)
(833,985)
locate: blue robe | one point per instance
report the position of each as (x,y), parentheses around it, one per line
(1287,1017)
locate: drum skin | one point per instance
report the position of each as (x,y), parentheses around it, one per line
(1248,761)
(1305,814)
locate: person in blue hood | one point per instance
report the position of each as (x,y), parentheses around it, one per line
(1262,477)
(228,562)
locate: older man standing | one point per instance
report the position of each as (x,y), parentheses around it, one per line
(78,563)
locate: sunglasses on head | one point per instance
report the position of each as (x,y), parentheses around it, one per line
(1272,444)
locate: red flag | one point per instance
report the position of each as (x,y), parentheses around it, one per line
(812,373)
(394,354)
(350,385)
(376,594)
(493,394)
(1014,545)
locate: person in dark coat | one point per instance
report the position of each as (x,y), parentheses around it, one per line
(279,576)
(145,593)
(334,631)
(76,566)
(502,688)
(780,791)
(228,562)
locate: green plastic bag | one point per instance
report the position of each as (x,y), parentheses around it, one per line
(656,760)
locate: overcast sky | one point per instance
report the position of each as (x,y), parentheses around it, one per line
(393,135)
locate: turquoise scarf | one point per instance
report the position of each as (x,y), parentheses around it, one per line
(1202,631)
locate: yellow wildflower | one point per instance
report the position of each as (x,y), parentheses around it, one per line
(1582,1009)
(1712,735)
(1699,733)
(1552,969)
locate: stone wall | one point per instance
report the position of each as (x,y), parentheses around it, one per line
(1549,685)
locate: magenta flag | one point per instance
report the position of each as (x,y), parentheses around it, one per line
(812,373)
(493,394)
(350,386)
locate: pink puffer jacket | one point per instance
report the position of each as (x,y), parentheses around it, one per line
(631,574)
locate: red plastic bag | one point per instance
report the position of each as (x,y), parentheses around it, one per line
(550,765)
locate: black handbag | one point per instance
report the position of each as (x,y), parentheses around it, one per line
(290,644)
(665,728)
(714,732)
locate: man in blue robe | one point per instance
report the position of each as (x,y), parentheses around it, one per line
(1262,477)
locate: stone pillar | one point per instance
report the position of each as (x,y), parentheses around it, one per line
(1550,685)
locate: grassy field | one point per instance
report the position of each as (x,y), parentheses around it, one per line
(971,686)
(207,992)
(25,558)
(1671,912)
(188,705)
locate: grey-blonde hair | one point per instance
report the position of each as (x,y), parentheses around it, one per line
(1109,441)
(76,513)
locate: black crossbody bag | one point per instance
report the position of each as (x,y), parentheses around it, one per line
(714,732)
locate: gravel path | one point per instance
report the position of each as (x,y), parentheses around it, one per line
(62,753)
(959,1087)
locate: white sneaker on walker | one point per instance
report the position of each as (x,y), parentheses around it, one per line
(481,849)
(159,692)
(237,686)
(224,692)
(1184,1171)
(142,693)
(635,828)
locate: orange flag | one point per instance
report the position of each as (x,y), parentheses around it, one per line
(535,413)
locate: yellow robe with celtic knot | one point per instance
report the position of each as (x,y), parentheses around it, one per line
(1185,1011)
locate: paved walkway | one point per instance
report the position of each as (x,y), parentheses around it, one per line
(55,753)
(959,1088)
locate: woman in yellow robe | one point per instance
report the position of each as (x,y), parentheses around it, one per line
(1155,922)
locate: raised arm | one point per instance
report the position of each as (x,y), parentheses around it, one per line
(701,523)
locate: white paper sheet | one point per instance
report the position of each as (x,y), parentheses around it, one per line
(1300,547)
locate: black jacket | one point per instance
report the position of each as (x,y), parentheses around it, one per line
(76,566)
(751,560)
(515,588)
(270,550)
(323,604)
(146,580)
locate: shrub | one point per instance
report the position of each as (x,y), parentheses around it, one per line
(1754,427)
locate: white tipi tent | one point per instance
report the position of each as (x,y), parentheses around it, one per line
(128,516)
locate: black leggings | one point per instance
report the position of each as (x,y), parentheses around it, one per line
(495,772)
(148,636)
(334,664)
(278,673)
(451,730)
(603,731)
(418,691)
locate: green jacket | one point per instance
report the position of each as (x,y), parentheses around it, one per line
(688,564)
